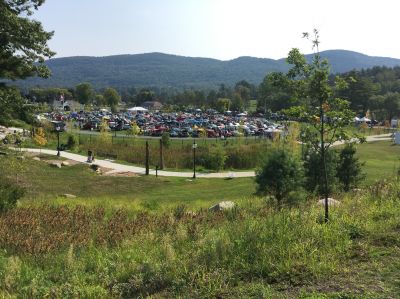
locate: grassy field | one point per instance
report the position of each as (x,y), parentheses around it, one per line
(45,183)
(382,159)
(138,237)
(253,251)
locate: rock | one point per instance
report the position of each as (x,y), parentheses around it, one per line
(65,163)
(36,158)
(331,202)
(98,170)
(222,206)
(66,195)
(56,164)
(95,167)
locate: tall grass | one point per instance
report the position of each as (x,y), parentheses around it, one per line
(93,253)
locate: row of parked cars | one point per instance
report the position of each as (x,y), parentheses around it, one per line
(179,125)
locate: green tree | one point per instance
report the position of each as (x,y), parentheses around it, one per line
(359,92)
(391,104)
(112,98)
(326,116)
(237,103)
(99,100)
(349,169)
(23,41)
(273,94)
(23,50)
(84,93)
(314,171)
(280,175)
(223,105)
(12,105)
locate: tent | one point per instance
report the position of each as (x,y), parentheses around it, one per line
(136,109)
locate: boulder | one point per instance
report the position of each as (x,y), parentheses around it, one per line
(36,158)
(94,167)
(65,163)
(222,206)
(66,195)
(56,164)
(331,202)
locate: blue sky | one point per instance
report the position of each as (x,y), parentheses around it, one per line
(222,29)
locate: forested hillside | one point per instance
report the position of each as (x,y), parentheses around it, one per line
(163,70)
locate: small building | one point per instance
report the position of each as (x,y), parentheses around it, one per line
(68,105)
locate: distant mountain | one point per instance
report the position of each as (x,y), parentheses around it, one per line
(163,70)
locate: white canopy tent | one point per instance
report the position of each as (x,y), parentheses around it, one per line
(136,109)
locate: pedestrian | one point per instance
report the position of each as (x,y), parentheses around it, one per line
(89,158)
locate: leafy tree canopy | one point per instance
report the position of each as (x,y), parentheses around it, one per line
(23,41)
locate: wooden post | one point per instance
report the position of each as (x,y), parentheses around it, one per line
(161,155)
(147,158)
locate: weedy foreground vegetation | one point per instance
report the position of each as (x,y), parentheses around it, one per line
(255,250)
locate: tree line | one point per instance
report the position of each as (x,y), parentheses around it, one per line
(374,91)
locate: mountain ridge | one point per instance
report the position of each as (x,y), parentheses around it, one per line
(173,71)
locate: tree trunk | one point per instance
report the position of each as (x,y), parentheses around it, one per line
(161,155)
(147,158)
(323,161)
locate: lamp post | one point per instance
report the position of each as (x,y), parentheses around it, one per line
(58,128)
(194,146)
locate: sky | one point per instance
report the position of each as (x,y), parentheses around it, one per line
(221,29)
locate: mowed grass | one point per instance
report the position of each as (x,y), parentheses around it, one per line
(382,159)
(46,184)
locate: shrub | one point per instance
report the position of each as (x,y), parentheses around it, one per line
(280,175)
(215,158)
(72,142)
(165,139)
(349,169)
(9,194)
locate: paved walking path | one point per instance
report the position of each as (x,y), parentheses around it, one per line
(120,168)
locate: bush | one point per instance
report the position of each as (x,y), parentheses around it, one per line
(215,158)
(9,194)
(165,139)
(349,169)
(280,175)
(72,142)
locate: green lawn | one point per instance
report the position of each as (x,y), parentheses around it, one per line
(46,183)
(382,159)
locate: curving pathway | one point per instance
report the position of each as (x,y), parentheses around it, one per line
(119,168)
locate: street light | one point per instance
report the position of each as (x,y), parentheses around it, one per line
(58,128)
(194,146)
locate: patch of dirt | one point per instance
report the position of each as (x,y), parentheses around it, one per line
(120,174)
(70,162)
